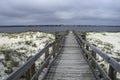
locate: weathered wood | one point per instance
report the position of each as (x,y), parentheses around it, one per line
(57,37)
(46,56)
(18,73)
(83,35)
(114,64)
(71,65)
(107,58)
(30,72)
(28,67)
(93,53)
(91,60)
(87,48)
(54,47)
(112,73)
(38,72)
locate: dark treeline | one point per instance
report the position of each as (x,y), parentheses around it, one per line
(61,26)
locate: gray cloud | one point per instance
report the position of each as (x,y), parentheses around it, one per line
(59,12)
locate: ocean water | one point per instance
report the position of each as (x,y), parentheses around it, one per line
(60,28)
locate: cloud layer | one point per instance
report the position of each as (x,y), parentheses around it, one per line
(101,12)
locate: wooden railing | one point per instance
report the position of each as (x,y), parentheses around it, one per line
(28,72)
(90,51)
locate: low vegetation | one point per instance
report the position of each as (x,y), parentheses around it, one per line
(16,48)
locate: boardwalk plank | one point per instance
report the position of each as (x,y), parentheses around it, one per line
(70,65)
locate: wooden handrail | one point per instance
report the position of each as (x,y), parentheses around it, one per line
(45,62)
(21,70)
(107,58)
(111,61)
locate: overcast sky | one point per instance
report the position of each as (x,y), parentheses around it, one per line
(15,12)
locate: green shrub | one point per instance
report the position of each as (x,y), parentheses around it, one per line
(14,63)
(8,71)
(104,34)
(34,45)
(28,42)
(7,54)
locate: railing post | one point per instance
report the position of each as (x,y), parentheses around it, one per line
(46,56)
(84,38)
(94,55)
(54,47)
(57,37)
(112,73)
(30,72)
(87,47)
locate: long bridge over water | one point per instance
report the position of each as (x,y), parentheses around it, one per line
(56,28)
(69,57)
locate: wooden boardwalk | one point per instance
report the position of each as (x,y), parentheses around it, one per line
(70,65)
